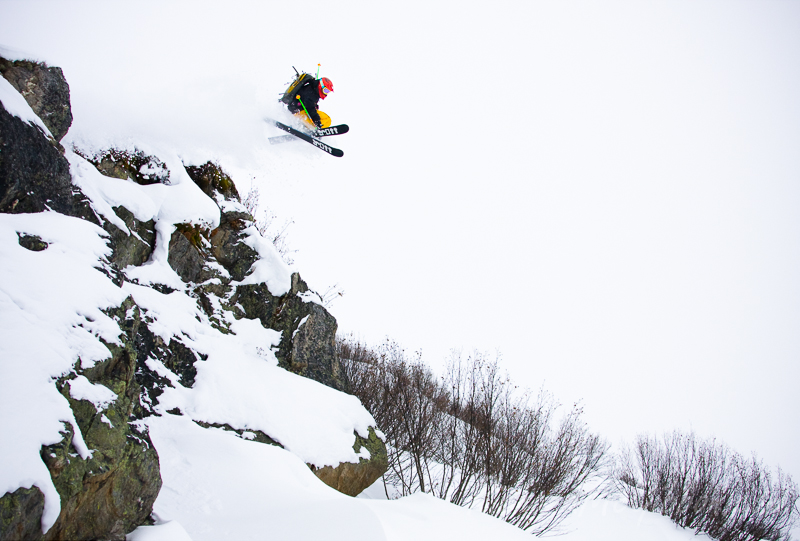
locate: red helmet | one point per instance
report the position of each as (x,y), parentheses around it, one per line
(325,87)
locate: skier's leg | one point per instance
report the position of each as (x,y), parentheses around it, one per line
(324,118)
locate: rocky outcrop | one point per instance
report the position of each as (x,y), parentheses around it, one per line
(19,511)
(351,479)
(210,178)
(308,331)
(34,174)
(134,165)
(133,249)
(46,91)
(112,492)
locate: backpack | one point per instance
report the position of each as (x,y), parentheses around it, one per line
(291,92)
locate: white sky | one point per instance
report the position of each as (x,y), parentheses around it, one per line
(604,192)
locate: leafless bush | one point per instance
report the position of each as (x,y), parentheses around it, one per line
(406,401)
(266,223)
(330,295)
(703,485)
(471,437)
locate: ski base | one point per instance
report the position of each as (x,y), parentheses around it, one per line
(308,138)
(281,139)
(322,132)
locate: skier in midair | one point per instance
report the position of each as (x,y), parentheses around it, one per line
(305,102)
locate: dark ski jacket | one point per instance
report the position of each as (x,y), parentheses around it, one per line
(309,93)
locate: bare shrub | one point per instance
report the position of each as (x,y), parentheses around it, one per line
(267,225)
(472,438)
(406,401)
(330,295)
(703,485)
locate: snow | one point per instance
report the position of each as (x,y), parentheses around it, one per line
(270,268)
(240,384)
(106,192)
(261,491)
(167,531)
(607,520)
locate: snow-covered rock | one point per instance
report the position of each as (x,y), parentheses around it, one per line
(134,286)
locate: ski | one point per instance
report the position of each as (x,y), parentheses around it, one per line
(308,139)
(281,139)
(322,132)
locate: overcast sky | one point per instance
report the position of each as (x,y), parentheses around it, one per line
(606,193)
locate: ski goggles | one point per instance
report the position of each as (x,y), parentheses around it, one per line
(326,90)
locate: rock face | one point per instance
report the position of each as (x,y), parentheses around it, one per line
(308,330)
(16,510)
(34,175)
(46,91)
(111,493)
(137,166)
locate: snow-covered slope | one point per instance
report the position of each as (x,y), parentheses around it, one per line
(176,87)
(260,491)
(67,302)
(216,483)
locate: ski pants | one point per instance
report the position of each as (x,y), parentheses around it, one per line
(326,120)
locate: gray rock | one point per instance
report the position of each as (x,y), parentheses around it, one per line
(133,249)
(113,492)
(34,175)
(46,91)
(213,180)
(134,165)
(308,331)
(34,243)
(15,509)
(186,254)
